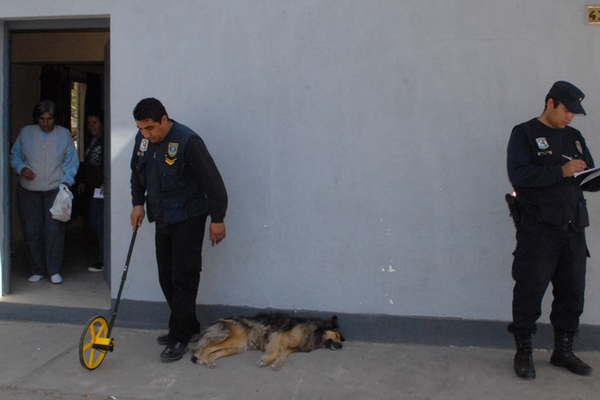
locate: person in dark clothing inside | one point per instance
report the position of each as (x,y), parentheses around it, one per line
(175,176)
(94,179)
(543,156)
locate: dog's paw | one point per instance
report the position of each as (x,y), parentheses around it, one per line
(263,362)
(209,363)
(276,366)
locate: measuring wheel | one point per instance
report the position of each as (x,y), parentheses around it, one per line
(94,343)
(95,339)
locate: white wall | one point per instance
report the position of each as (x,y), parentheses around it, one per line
(362,143)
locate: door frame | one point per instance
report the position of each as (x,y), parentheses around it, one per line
(40,24)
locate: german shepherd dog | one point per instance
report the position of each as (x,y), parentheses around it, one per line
(277,335)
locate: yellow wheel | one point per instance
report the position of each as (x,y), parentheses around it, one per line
(95,332)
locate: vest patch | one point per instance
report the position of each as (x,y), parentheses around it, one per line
(170,161)
(144,145)
(542,143)
(172,149)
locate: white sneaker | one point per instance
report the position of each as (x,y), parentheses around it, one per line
(97,267)
(35,278)
(56,278)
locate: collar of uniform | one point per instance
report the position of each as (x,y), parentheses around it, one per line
(173,124)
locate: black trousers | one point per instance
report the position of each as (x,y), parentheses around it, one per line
(179,258)
(545,255)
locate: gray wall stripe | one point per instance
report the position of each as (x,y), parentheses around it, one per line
(361,327)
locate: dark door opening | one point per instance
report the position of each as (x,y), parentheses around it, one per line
(70,68)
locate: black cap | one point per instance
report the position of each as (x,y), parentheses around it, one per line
(569,95)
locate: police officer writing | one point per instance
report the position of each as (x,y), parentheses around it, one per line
(543,156)
(176,178)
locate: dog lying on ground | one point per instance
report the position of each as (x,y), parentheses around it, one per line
(277,335)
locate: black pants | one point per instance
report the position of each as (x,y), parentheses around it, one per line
(179,258)
(545,255)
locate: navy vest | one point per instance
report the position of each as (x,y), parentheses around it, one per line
(172,193)
(562,203)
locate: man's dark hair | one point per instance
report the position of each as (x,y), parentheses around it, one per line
(149,108)
(554,100)
(44,106)
(96,113)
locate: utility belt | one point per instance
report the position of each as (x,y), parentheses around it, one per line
(527,213)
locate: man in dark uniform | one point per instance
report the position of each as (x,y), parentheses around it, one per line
(175,176)
(544,154)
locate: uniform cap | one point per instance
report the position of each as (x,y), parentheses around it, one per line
(569,95)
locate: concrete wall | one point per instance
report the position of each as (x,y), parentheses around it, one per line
(362,143)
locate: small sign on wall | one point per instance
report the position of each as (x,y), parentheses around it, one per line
(593,15)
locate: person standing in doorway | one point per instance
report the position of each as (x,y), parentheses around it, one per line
(174,175)
(543,156)
(94,180)
(43,156)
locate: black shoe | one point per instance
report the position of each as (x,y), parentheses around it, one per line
(163,340)
(563,355)
(173,352)
(523,362)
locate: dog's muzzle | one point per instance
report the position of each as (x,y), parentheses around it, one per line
(331,345)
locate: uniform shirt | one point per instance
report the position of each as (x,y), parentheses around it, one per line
(535,157)
(203,168)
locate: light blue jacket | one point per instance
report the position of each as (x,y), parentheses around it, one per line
(51,156)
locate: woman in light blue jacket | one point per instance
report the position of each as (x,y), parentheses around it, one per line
(43,156)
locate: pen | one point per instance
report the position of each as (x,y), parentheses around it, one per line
(567,157)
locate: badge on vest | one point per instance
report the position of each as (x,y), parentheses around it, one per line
(144,145)
(172,149)
(170,161)
(579,146)
(542,143)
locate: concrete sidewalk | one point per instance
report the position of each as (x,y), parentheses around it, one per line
(40,361)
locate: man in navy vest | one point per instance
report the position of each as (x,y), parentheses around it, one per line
(177,179)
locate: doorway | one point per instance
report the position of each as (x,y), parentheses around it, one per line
(69,66)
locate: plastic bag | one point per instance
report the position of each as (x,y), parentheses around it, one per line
(61,209)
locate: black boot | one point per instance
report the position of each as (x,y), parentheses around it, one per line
(563,355)
(523,362)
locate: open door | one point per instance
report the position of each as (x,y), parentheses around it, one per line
(70,67)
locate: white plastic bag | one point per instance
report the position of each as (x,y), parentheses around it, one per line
(61,209)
